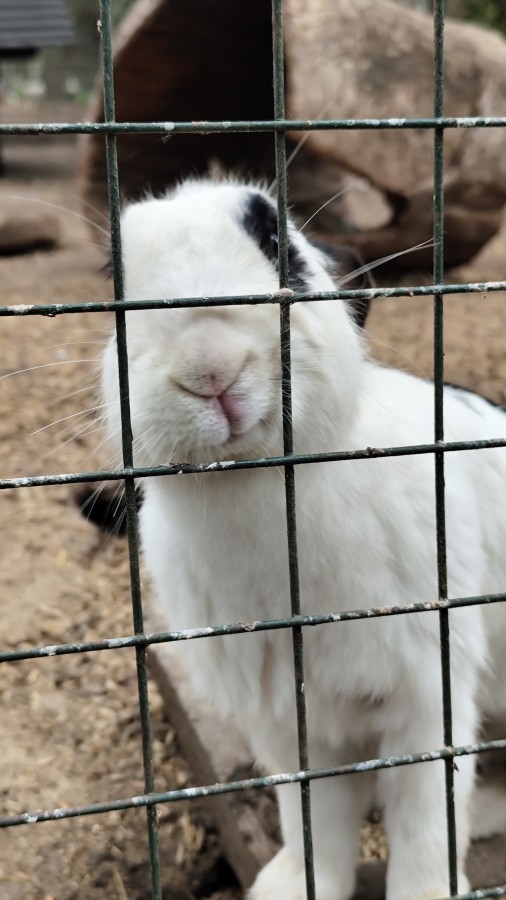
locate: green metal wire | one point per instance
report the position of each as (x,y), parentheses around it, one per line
(439,460)
(279,126)
(189,634)
(478,895)
(127,439)
(271,125)
(58,309)
(262,463)
(227,787)
(286,404)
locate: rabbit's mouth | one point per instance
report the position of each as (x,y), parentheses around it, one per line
(238,412)
(237,427)
(229,420)
(232,406)
(210,416)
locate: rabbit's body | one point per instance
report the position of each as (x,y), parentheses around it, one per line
(240,517)
(205,385)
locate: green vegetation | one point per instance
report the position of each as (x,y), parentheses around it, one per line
(119,8)
(491,13)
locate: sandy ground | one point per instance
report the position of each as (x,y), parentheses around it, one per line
(69,728)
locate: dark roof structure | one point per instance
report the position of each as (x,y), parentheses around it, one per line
(26,25)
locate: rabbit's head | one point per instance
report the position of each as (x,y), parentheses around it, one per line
(205,382)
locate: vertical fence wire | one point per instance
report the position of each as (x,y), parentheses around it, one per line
(286,394)
(127,445)
(439,463)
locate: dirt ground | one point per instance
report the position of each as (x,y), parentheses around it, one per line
(69,728)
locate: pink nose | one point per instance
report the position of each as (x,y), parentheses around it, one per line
(210,378)
(207,385)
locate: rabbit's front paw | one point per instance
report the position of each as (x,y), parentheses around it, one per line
(284,879)
(424,892)
(281,877)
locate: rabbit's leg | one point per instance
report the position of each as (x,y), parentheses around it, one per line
(337,807)
(415,804)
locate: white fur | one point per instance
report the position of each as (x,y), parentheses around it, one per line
(216,546)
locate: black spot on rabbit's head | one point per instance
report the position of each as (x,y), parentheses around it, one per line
(260,222)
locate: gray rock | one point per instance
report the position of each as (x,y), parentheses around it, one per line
(370,58)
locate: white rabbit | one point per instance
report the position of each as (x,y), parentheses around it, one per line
(205,385)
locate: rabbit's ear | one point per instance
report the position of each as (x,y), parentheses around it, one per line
(349,268)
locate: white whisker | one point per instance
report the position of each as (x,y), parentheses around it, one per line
(82,412)
(371,340)
(70,212)
(62,362)
(362,270)
(94,209)
(72,343)
(82,390)
(73,436)
(340,193)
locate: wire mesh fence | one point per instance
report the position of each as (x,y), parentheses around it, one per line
(284,298)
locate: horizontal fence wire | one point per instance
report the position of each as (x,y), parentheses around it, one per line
(280,126)
(207,631)
(267,462)
(247,784)
(286,296)
(479,894)
(271,125)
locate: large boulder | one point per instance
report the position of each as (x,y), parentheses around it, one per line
(194,61)
(375,59)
